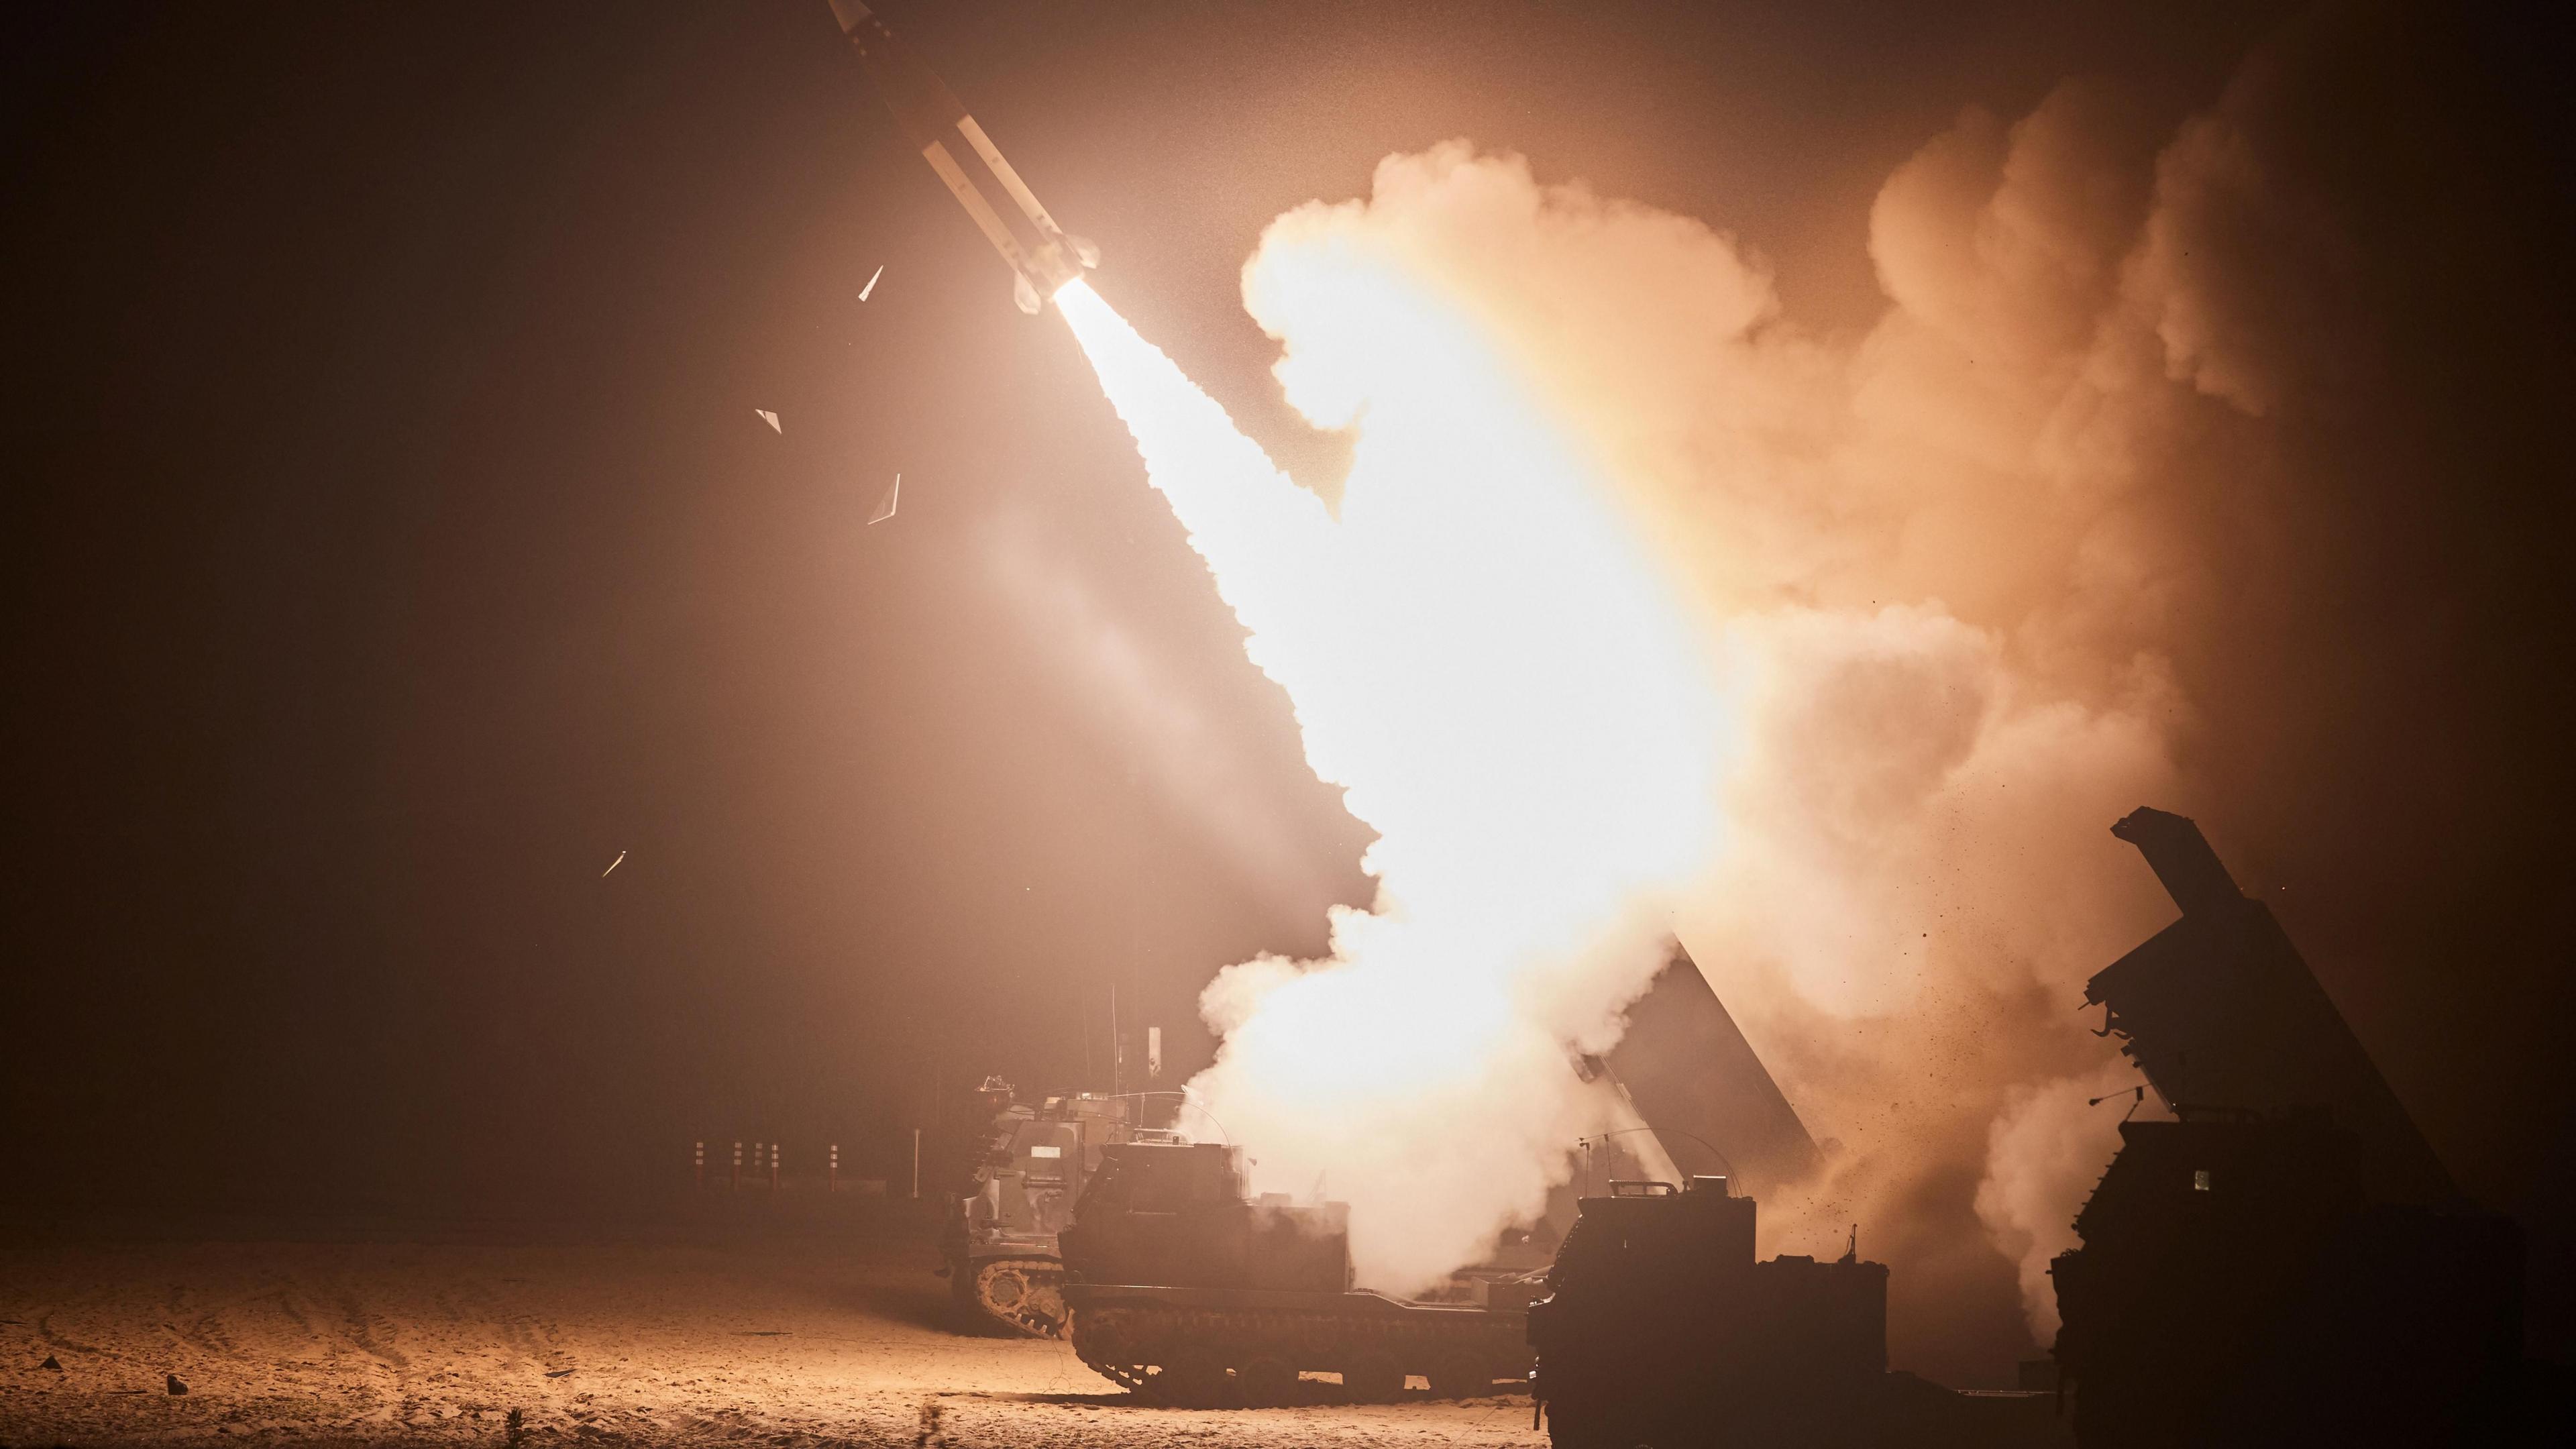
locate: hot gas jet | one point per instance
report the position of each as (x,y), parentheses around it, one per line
(931,115)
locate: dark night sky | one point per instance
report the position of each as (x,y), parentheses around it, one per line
(393,544)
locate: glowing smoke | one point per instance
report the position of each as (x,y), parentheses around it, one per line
(1943,562)
(1478,651)
(1942,566)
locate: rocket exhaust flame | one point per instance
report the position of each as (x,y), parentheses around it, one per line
(1481,654)
(1478,654)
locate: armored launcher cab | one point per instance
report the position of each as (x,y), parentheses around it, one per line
(1189,1293)
(2237,1286)
(1659,1328)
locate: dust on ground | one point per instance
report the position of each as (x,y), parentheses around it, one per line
(803,1339)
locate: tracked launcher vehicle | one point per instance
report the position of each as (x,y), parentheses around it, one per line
(1189,1293)
(998,1242)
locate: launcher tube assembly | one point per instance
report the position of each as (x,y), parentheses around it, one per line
(1042,257)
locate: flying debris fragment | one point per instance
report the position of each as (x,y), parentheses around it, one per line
(770,418)
(1042,257)
(614,864)
(885,505)
(872,283)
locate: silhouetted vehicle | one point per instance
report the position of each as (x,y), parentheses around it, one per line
(1660,1329)
(2295,1265)
(2237,1286)
(1188,1293)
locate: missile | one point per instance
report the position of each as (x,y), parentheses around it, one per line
(1042,257)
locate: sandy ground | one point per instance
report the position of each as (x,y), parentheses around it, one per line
(816,1338)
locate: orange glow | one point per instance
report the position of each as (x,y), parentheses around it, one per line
(1480,653)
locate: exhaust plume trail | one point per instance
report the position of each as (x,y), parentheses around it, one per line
(1480,653)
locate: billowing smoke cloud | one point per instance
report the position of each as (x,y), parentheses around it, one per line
(2042,1153)
(1919,581)
(1941,607)
(1481,654)
(1943,566)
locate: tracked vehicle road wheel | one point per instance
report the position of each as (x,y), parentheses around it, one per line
(1461,1376)
(1023,1293)
(1374,1380)
(1193,1380)
(1267,1382)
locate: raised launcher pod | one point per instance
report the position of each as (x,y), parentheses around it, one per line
(1691,1074)
(1042,256)
(2219,1009)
